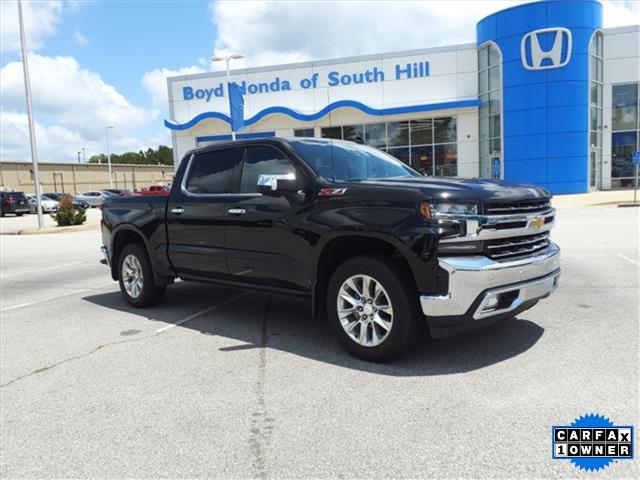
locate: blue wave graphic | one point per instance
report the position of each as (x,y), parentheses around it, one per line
(315,116)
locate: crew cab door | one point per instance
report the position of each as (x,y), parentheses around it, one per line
(196,214)
(264,247)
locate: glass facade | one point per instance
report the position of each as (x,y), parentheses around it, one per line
(596,63)
(428,144)
(625,136)
(490,90)
(303,132)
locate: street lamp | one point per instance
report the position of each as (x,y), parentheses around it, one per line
(32,129)
(79,157)
(106,134)
(84,157)
(227,59)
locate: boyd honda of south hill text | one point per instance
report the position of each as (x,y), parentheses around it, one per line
(380,249)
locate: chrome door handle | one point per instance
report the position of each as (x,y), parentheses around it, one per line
(237,211)
(177,210)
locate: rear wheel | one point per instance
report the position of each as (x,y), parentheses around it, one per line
(19,214)
(137,283)
(373,308)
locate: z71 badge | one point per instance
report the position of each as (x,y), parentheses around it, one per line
(332,192)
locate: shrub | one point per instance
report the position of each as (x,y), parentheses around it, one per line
(68,214)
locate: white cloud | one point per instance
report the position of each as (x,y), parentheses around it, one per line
(155,82)
(618,13)
(75,101)
(78,38)
(282,32)
(41,20)
(269,33)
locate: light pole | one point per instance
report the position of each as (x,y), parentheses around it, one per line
(106,134)
(32,130)
(79,157)
(84,157)
(227,59)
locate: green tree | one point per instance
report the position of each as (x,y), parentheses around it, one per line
(162,156)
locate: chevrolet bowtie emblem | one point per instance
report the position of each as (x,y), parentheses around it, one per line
(537,222)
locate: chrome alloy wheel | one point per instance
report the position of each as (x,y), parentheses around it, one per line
(365,310)
(132,277)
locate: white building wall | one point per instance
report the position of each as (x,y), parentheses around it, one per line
(621,65)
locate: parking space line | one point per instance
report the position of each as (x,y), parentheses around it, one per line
(629,259)
(197,314)
(40,270)
(48,299)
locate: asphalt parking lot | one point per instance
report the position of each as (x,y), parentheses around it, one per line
(222,383)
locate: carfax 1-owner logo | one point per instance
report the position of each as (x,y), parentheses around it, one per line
(592,442)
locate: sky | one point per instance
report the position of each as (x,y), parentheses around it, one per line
(104,63)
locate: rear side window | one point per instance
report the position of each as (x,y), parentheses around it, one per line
(261,161)
(212,172)
(17,196)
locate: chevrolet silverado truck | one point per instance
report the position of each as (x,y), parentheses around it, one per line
(381,250)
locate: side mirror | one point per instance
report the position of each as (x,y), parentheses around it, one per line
(277,184)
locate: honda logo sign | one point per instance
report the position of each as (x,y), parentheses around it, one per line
(554,56)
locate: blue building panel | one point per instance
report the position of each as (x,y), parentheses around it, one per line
(526,147)
(545,99)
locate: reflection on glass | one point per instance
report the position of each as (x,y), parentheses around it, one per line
(331,132)
(375,134)
(400,154)
(446,160)
(421,132)
(445,130)
(398,134)
(353,133)
(422,159)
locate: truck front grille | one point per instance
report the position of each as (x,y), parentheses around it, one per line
(525,206)
(516,247)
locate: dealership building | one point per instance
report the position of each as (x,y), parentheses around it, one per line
(545,96)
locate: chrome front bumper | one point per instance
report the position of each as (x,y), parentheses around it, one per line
(480,287)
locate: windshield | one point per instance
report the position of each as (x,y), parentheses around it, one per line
(344,161)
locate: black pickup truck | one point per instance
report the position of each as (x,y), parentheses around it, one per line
(380,249)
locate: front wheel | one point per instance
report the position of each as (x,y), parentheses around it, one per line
(373,308)
(137,283)
(18,214)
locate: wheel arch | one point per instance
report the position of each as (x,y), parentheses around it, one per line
(337,249)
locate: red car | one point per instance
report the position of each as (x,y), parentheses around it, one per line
(154,190)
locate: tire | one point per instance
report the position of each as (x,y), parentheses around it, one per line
(134,267)
(19,214)
(402,321)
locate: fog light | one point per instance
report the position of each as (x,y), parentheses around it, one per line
(491,303)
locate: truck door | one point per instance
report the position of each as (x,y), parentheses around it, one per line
(196,214)
(263,247)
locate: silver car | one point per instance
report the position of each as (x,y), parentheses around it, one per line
(48,204)
(95,198)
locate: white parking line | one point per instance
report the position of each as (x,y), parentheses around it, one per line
(40,270)
(629,259)
(28,304)
(197,314)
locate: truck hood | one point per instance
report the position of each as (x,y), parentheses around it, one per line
(464,190)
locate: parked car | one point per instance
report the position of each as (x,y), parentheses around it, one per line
(154,190)
(14,202)
(380,249)
(95,198)
(49,204)
(77,203)
(122,192)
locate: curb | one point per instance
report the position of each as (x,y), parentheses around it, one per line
(49,230)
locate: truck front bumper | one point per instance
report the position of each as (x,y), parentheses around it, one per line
(482,290)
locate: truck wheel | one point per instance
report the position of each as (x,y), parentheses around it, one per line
(136,278)
(373,308)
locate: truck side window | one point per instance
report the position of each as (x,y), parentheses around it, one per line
(212,172)
(261,161)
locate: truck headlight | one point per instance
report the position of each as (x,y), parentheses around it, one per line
(453,209)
